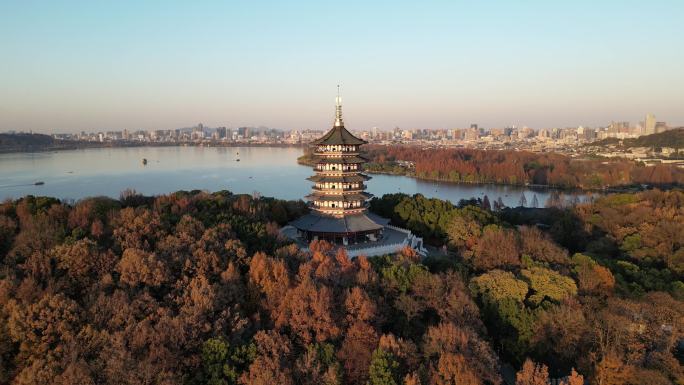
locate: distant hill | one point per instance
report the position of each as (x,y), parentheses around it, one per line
(35,142)
(671,138)
(24,141)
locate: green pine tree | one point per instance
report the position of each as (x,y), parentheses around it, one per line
(384,369)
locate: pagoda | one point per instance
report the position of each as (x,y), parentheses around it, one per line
(339,202)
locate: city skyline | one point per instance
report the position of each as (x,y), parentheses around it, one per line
(83,66)
(648,125)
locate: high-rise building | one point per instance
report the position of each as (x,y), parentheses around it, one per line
(374,133)
(221,132)
(649,124)
(660,127)
(616,128)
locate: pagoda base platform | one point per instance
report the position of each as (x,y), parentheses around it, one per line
(386,239)
(346,230)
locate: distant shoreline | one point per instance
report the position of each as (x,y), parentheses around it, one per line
(67,145)
(306,161)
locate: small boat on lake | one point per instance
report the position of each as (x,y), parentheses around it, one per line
(39,183)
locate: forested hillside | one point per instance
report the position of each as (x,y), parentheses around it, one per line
(38,142)
(521,167)
(196,288)
(21,142)
(672,138)
(513,167)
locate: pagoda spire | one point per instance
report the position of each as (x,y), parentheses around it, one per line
(338,109)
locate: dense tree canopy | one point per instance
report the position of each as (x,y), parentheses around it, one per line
(196,288)
(517,167)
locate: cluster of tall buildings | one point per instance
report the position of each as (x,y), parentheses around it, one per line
(476,134)
(197,133)
(473,136)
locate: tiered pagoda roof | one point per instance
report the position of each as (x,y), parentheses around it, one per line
(339,136)
(357,196)
(347,224)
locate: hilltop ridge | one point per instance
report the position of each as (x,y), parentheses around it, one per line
(671,138)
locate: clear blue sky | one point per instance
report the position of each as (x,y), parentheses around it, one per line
(96,65)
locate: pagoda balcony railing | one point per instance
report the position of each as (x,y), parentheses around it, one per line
(364,205)
(336,153)
(341,211)
(340,190)
(339,172)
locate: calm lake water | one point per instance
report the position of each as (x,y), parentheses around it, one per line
(270,171)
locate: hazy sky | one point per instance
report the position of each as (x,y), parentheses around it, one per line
(97,65)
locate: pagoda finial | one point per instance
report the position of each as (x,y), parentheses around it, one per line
(338,109)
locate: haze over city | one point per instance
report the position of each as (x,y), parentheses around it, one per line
(78,65)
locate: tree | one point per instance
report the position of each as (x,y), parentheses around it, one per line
(496,248)
(404,350)
(197,307)
(356,351)
(554,200)
(612,371)
(547,284)
(271,365)
(447,295)
(540,247)
(498,285)
(501,203)
(532,374)
(412,379)
(318,365)
(486,205)
(138,267)
(215,363)
(452,369)
(308,311)
(574,379)
(535,201)
(48,328)
(271,277)
(82,261)
(8,228)
(223,364)
(136,228)
(384,369)
(502,297)
(78,372)
(592,277)
(359,306)
(463,232)
(561,335)
(460,354)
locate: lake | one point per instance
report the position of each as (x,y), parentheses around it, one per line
(270,171)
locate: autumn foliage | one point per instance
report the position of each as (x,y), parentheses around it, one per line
(196,288)
(517,167)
